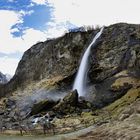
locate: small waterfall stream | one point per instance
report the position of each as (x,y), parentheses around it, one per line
(81,77)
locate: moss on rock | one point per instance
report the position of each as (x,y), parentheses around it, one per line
(118,106)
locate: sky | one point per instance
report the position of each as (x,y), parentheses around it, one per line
(26,22)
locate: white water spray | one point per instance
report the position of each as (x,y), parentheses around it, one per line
(81,77)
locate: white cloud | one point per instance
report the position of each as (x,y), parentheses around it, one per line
(93,12)
(31,5)
(8,65)
(11,44)
(23,13)
(14,30)
(76,12)
(11,0)
(8,19)
(40,2)
(55,29)
(90,12)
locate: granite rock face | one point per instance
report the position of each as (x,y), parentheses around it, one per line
(50,67)
(52,58)
(68,104)
(117,50)
(116,56)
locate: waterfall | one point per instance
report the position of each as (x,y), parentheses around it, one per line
(81,77)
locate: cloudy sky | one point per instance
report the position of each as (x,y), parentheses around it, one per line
(25,22)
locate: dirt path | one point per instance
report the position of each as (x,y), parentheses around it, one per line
(55,137)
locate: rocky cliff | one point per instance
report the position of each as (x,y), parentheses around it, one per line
(54,63)
(47,70)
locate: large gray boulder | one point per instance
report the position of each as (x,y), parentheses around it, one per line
(43,105)
(68,104)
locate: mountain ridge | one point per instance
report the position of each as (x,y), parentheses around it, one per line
(46,73)
(4,78)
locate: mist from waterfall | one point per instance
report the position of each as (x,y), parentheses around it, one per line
(81,77)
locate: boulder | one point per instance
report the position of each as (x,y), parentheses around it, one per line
(68,104)
(9,103)
(43,105)
(1,112)
(84,104)
(71,98)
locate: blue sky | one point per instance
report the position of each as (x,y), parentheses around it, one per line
(25,22)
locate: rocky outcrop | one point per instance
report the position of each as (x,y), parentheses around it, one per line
(68,104)
(117,50)
(44,105)
(51,58)
(48,68)
(124,126)
(71,103)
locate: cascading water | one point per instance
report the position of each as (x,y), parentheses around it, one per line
(80,80)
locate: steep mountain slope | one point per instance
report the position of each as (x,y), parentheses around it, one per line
(47,71)
(53,59)
(53,64)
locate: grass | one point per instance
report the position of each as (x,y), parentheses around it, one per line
(118,106)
